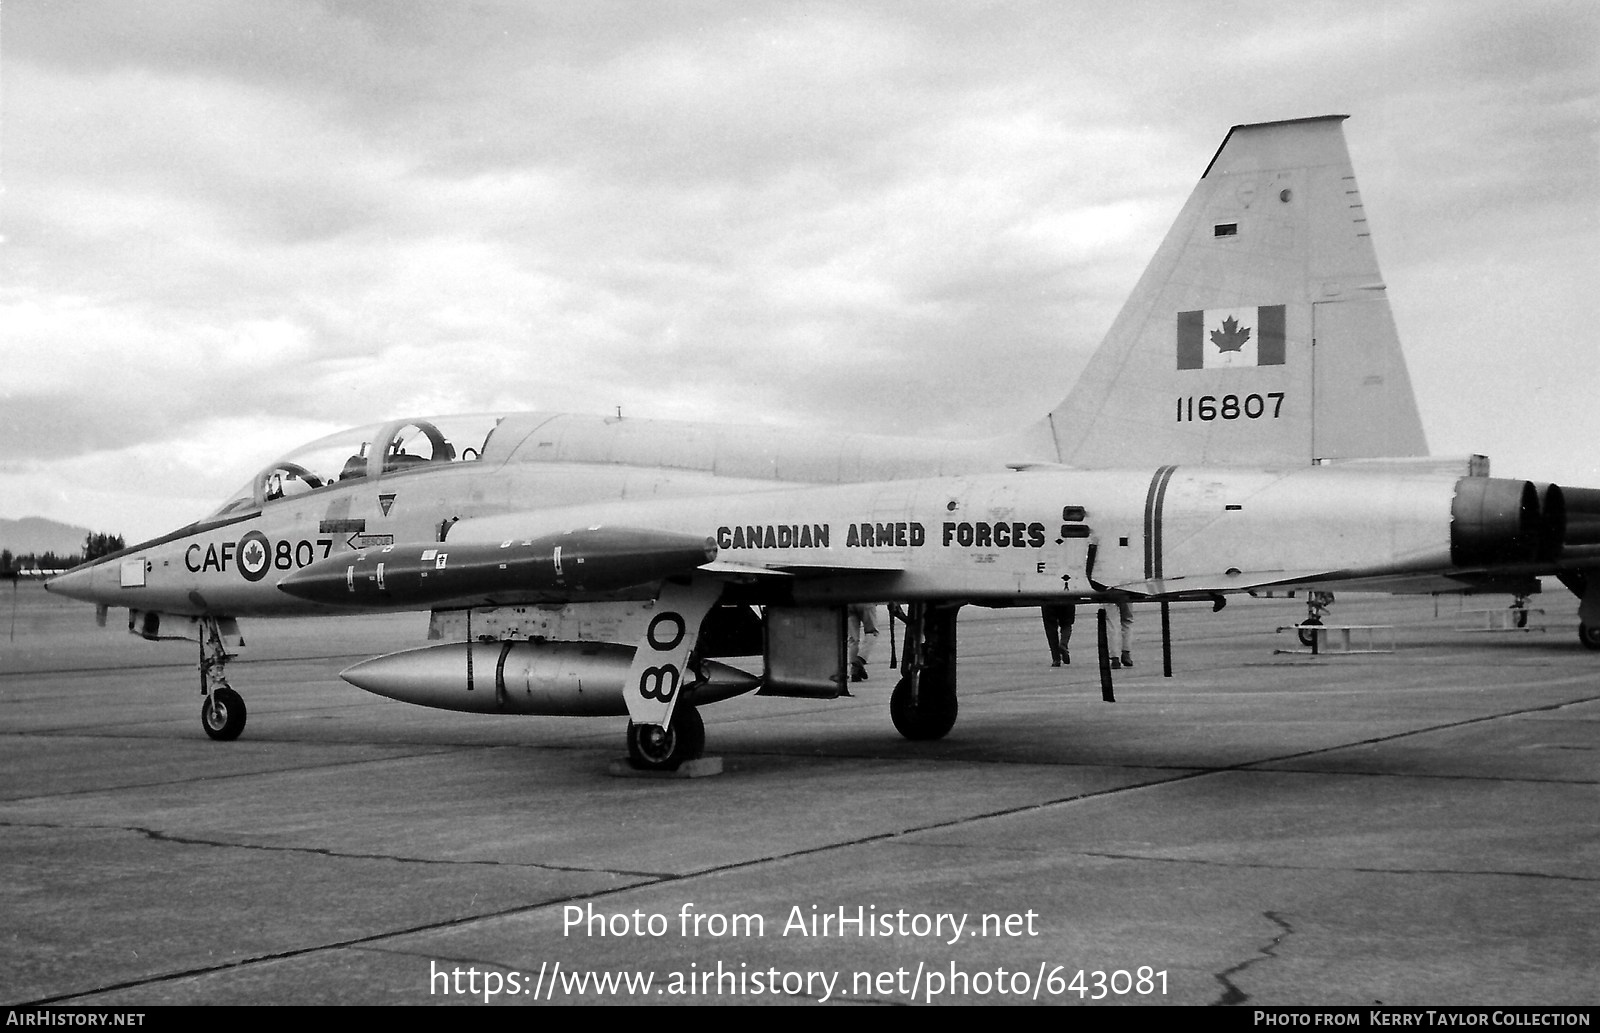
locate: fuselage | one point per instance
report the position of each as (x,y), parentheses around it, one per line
(851,518)
(412,480)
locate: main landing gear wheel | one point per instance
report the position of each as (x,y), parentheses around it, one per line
(654,748)
(1589,636)
(1308,638)
(921,715)
(222,715)
(923,704)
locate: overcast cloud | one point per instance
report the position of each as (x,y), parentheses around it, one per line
(231,227)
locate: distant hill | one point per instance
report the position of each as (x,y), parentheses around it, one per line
(36,535)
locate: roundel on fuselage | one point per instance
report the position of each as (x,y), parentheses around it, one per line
(254,556)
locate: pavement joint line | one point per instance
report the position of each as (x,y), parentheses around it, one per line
(157,836)
(1500,779)
(1464,722)
(236,662)
(1346,868)
(432,751)
(285,955)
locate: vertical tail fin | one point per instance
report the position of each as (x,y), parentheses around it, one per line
(1260,333)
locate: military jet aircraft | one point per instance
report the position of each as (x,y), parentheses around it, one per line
(1248,423)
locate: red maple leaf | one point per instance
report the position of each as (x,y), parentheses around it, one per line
(1231,337)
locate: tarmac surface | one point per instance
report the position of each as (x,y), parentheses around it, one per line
(1415,827)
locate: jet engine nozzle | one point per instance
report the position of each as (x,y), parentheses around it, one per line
(595,560)
(1581,541)
(1495,521)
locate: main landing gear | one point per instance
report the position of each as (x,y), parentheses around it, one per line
(1585,584)
(1317,604)
(923,704)
(654,748)
(222,714)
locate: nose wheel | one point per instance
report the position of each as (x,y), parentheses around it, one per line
(222,714)
(1317,604)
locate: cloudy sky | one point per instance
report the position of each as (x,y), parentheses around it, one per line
(230,227)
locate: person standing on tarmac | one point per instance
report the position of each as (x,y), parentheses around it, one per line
(1058,619)
(863,636)
(1125,632)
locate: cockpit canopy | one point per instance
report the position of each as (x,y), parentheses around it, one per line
(376,450)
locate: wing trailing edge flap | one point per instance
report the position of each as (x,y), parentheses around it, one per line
(1391,582)
(735,571)
(1199,585)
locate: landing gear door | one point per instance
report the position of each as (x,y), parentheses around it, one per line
(806,652)
(659,671)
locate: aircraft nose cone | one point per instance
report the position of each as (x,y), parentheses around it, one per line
(74,584)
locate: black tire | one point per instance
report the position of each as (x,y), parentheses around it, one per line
(922,716)
(1590,637)
(1309,638)
(653,748)
(222,716)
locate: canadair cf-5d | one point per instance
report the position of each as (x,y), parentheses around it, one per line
(1248,423)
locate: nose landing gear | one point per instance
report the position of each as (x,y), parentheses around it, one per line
(222,715)
(1317,604)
